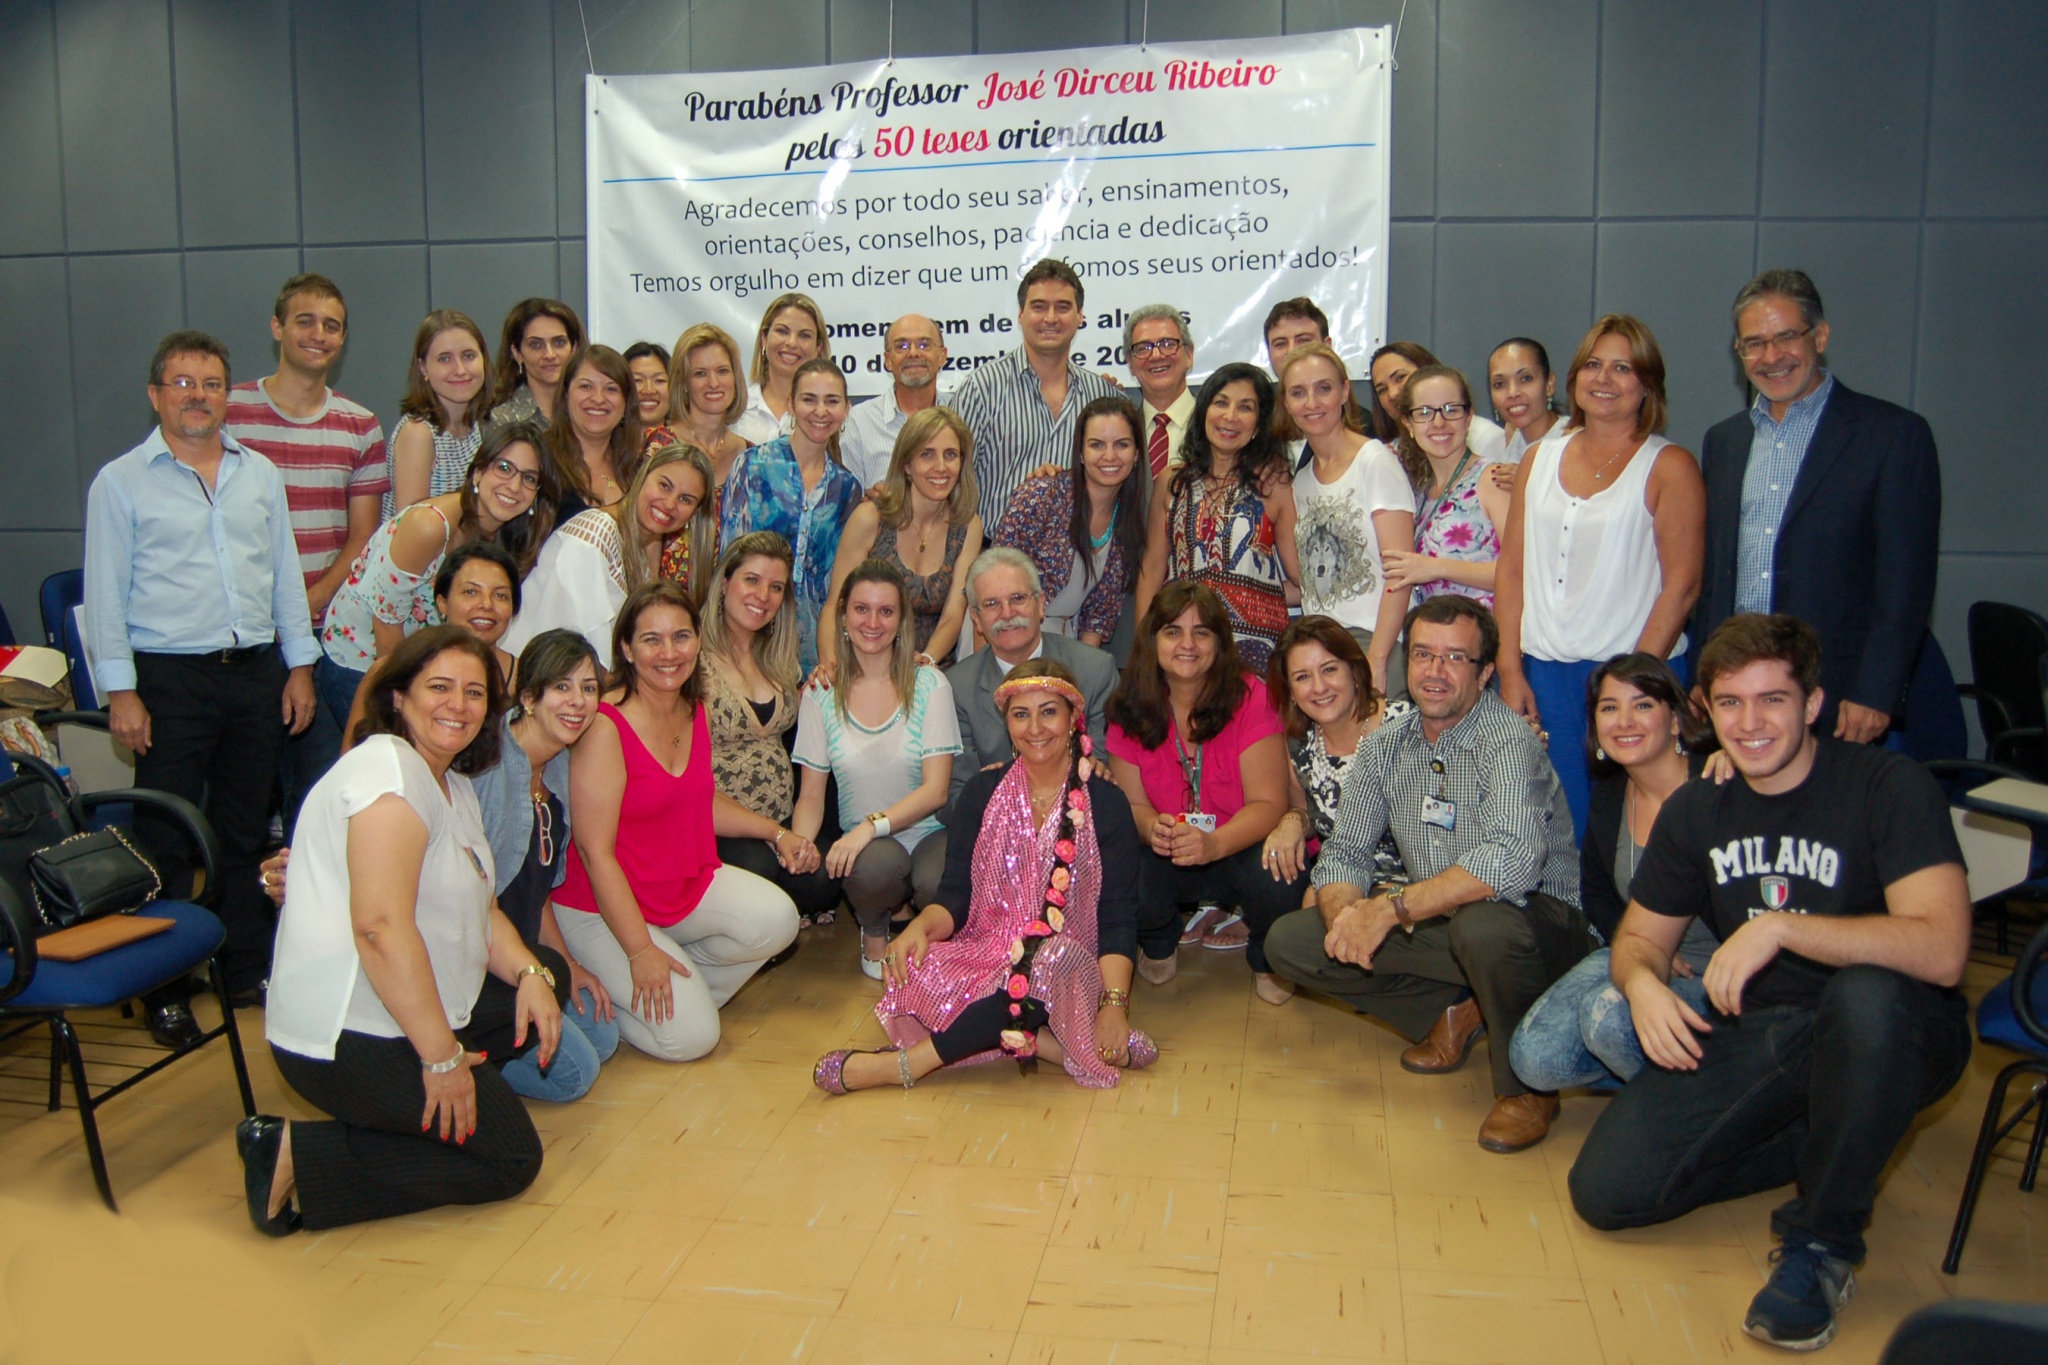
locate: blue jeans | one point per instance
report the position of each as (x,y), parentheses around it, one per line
(1580,1032)
(336,685)
(587,1042)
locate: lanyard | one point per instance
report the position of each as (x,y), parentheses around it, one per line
(1190,770)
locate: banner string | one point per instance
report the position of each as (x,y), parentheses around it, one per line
(584,19)
(892,32)
(1398,20)
(1145,35)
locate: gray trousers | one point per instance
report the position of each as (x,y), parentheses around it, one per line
(1506,955)
(885,877)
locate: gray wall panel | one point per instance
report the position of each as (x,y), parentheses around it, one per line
(1515,99)
(625,37)
(1414,132)
(573,265)
(1193,21)
(237,157)
(484,280)
(26,559)
(1867,274)
(121,306)
(1039,25)
(1845,135)
(1967,578)
(1488,289)
(387,297)
(114,102)
(924,28)
(360,155)
(771,34)
(1678,106)
(1677,277)
(1411,293)
(31,162)
(233,294)
(1981,281)
(490,119)
(35,396)
(1989,122)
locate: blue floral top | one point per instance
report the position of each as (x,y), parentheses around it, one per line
(766,493)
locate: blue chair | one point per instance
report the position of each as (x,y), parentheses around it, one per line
(60,593)
(6,629)
(2012,1015)
(49,992)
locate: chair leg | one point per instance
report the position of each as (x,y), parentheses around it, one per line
(2033,1166)
(227,1015)
(1973,1182)
(56,1074)
(61,1028)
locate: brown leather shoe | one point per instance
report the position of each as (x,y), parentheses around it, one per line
(1448,1043)
(1517,1121)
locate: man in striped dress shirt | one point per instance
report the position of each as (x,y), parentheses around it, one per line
(1021,406)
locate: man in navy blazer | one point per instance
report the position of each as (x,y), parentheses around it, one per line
(1008,607)
(1825,504)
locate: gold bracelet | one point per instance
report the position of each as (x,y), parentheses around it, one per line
(1112,996)
(635,957)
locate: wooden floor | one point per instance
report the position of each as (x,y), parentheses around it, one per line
(1276,1188)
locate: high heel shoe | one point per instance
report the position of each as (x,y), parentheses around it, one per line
(829,1075)
(1144,1051)
(260,1141)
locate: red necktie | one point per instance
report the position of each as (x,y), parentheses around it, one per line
(1155,449)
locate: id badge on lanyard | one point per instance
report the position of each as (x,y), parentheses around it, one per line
(1191,771)
(1439,810)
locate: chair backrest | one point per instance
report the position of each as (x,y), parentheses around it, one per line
(85,694)
(2009,660)
(6,629)
(60,593)
(1980,1332)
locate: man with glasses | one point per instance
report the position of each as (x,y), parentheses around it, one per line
(1008,607)
(1160,353)
(196,621)
(1491,917)
(330,453)
(1825,504)
(914,353)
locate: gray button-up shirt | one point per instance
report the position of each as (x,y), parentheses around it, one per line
(1510,826)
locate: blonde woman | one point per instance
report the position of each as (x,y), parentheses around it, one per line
(707,393)
(792,333)
(749,665)
(600,555)
(921,519)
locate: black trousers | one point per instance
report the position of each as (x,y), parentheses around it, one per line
(373,1161)
(494,1018)
(812,891)
(979,1027)
(1240,880)
(1818,1095)
(1507,955)
(216,730)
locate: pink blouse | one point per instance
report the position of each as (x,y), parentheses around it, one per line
(665,843)
(1165,776)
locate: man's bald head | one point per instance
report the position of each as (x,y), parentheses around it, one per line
(914,351)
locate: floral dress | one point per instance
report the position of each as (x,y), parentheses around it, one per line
(1227,541)
(1455,526)
(378,590)
(1037,522)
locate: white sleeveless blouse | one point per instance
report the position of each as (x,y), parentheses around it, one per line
(1589,565)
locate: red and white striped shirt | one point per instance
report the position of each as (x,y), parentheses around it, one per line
(325,460)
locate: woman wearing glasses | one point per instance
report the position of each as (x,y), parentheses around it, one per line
(1602,549)
(1355,508)
(1457,536)
(662,528)
(533,356)
(509,497)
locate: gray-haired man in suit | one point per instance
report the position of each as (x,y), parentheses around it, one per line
(1008,607)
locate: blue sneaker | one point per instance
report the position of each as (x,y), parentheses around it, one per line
(1796,1308)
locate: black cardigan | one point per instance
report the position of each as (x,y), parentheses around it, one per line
(1116,917)
(1599,897)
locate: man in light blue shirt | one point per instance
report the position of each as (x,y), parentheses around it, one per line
(197,624)
(914,353)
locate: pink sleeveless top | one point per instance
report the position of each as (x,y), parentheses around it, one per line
(665,843)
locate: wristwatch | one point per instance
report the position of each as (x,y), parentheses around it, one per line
(1399,900)
(534,969)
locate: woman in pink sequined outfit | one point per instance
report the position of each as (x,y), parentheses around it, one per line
(1027,949)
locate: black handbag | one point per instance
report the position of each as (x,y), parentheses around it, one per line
(89,875)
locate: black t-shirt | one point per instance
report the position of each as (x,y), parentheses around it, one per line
(1864,818)
(534,882)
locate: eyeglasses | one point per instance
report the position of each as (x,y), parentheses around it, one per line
(1015,603)
(1420,657)
(920,345)
(544,817)
(1749,348)
(1451,412)
(1165,348)
(505,469)
(186,384)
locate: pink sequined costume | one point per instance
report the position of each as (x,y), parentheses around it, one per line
(1010,862)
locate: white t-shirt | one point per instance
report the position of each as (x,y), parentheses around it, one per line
(1341,573)
(317,983)
(877,768)
(1488,441)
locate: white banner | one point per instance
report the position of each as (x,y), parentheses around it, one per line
(1217,177)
